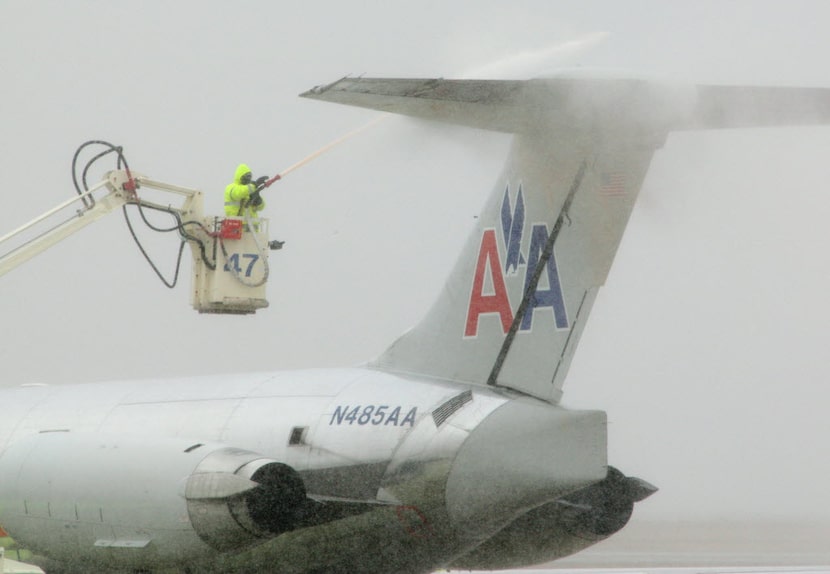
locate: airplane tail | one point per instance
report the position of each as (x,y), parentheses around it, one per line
(514,307)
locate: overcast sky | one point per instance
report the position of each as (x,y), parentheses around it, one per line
(707,347)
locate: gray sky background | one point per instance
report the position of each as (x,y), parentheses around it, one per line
(707,346)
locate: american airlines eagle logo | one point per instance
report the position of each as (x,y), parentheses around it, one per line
(496,268)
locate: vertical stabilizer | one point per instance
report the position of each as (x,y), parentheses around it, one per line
(514,307)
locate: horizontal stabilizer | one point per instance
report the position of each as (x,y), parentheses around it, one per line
(454,101)
(747,107)
(516,106)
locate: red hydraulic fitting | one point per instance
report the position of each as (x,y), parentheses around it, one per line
(130,185)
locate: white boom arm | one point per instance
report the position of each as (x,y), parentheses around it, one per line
(229,270)
(83,216)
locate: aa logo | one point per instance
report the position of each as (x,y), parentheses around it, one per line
(497,268)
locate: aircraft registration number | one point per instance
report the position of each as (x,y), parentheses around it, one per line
(375,415)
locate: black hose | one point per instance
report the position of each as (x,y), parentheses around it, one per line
(89,202)
(180,227)
(170,284)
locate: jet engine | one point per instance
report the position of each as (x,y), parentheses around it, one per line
(235,497)
(562,527)
(600,510)
(64,491)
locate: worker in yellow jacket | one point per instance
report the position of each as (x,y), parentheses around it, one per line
(242,198)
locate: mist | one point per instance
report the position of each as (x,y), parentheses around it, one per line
(705,346)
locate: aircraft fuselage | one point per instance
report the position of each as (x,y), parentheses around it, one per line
(103,474)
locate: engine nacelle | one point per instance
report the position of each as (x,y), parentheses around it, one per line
(235,497)
(562,527)
(122,499)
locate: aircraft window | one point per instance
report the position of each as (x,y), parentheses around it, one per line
(297,436)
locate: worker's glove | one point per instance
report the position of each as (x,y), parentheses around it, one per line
(256,199)
(261,181)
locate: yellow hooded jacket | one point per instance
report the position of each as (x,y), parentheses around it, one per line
(237,195)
